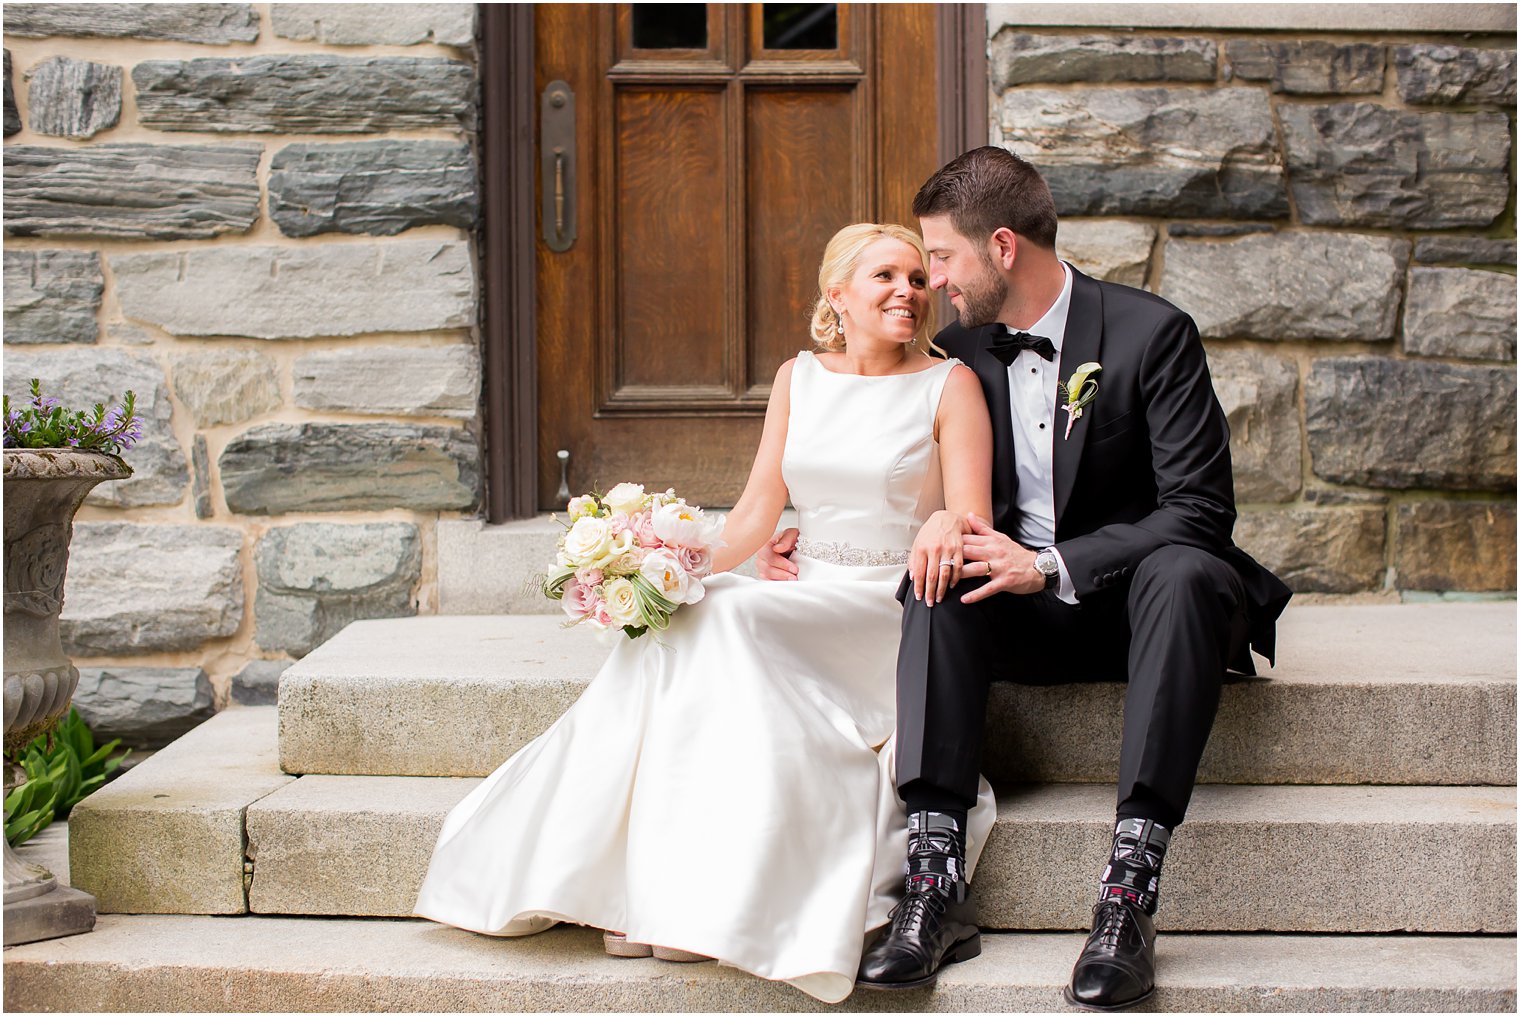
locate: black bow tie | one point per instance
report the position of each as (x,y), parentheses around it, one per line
(1009,344)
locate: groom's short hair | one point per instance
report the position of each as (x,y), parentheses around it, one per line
(986,189)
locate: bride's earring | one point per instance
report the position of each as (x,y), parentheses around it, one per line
(839,317)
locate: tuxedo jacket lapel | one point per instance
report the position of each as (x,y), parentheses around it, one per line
(1083,342)
(994,376)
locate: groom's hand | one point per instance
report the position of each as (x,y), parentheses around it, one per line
(771,560)
(1010,565)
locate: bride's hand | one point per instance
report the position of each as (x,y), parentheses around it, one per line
(935,562)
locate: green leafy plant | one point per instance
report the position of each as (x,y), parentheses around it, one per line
(62,767)
(43,422)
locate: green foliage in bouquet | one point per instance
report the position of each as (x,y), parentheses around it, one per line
(43,422)
(62,767)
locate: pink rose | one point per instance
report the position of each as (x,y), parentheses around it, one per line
(579,599)
(589,576)
(643,528)
(696,560)
(619,524)
(601,617)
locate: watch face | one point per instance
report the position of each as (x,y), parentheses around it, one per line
(1045,562)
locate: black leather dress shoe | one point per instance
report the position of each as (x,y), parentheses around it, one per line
(928,930)
(1117,968)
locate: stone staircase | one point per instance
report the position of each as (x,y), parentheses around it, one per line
(1351,845)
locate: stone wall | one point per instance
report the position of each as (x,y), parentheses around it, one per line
(1335,209)
(259,218)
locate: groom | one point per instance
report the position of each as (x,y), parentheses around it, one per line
(1108,556)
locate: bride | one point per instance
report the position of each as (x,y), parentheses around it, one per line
(730,793)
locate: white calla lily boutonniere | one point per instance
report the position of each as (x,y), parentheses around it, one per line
(1078,393)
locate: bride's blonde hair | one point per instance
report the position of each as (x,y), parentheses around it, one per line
(841,259)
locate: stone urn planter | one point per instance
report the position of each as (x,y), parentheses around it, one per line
(43,489)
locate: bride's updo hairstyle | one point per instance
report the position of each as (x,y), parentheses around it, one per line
(841,259)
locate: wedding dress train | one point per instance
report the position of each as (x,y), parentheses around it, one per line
(728,789)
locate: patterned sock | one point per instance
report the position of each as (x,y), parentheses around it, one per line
(1134,866)
(937,854)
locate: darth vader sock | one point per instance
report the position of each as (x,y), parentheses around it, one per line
(1134,865)
(937,853)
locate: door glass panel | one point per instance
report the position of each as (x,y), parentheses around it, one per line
(669,26)
(801,26)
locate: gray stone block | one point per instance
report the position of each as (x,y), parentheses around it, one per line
(55,914)
(1447,75)
(1405,424)
(222,386)
(1460,312)
(12,114)
(374,187)
(1259,395)
(208,23)
(1351,293)
(306,94)
(74,98)
(167,837)
(200,477)
(316,577)
(52,296)
(1358,163)
(1150,151)
(1456,545)
(301,964)
(147,707)
(83,377)
(491,569)
(360,846)
(302,292)
(1217,228)
(1349,681)
(140,587)
(258,684)
(1020,58)
(391,380)
(375,24)
(1308,67)
(132,192)
(1463,250)
(280,467)
(1318,550)
(390,823)
(1107,249)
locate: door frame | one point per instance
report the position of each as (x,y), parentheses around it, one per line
(507,243)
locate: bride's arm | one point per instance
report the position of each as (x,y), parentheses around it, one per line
(964,432)
(754,518)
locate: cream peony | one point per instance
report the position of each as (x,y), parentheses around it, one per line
(622,602)
(664,572)
(627,498)
(682,525)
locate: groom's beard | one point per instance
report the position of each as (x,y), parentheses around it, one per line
(983,299)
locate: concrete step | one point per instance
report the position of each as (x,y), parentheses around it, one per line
(281,964)
(359,845)
(1392,694)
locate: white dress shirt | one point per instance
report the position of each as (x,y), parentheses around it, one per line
(1032,397)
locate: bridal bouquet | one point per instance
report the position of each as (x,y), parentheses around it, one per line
(628,559)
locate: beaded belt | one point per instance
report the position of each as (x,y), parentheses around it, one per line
(835,552)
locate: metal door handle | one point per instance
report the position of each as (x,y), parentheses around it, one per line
(556,145)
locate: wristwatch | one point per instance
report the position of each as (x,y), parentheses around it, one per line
(1048,565)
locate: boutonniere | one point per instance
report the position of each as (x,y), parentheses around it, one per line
(1078,392)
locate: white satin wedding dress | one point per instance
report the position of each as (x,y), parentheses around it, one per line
(730,792)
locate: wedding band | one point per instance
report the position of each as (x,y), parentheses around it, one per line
(947,564)
(989,568)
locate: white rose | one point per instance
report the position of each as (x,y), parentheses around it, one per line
(627,498)
(665,573)
(587,542)
(622,602)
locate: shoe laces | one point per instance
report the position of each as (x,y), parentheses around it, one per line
(913,910)
(1111,920)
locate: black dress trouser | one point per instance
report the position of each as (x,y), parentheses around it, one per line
(1171,633)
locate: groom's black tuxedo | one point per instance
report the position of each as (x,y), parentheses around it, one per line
(1144,507)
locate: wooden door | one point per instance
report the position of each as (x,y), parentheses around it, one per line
(717,147)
